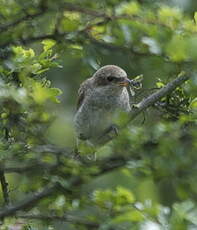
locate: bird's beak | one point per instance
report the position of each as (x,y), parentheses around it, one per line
(126,82)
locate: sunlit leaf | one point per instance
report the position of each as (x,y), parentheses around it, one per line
(48,44)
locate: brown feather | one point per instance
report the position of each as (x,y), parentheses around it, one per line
(81,96)
(83,91)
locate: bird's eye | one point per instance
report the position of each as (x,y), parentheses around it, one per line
(111,78)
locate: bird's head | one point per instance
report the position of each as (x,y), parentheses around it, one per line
(111,76)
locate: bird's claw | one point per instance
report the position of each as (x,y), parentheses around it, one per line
(114,129)
(109,134)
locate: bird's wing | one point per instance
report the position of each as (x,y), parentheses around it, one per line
(82,92)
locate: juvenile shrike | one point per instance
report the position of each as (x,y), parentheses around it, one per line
(100,97)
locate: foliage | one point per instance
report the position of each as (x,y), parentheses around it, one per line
(145,178)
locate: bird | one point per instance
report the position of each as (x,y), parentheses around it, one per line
(100,98)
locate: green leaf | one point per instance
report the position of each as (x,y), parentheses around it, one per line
(69,25)
(169,16)
(130,216)
(177,49)
(131,8)
(192,47)
(54,92)
(193,103)
(40,93)
(124,195)
(70,22)
(19,51)
(48,44)
(195,17)
(160,84)
(35,68)
(186,210)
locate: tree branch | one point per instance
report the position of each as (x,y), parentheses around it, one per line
(74,7)
(18,21)
(66,218)
(150,100)
(28,202)
(29,167)
(77,181)
(113,47)
(66,6)
(4,186)
(42,8)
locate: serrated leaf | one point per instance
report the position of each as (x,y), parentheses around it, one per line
(18,50)
(54,92)
(41,94)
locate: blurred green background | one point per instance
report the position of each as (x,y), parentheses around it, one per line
(144,179)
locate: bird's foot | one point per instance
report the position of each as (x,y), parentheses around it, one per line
(112,130)
(108,134)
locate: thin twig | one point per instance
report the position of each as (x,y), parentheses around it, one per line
(150,100)
(42,9)
(20,20)
(29,201)
(29,167)
(76,8)
(4,183)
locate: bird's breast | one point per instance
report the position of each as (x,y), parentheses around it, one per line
(98,112)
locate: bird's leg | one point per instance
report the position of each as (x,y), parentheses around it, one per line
(108,134)
(113,129)
(76,153)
